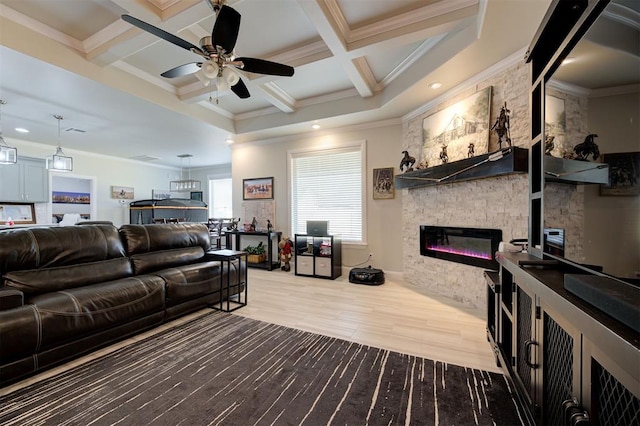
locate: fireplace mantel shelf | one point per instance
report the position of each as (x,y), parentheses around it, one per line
(503,162)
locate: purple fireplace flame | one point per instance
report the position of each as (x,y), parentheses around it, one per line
(471,246)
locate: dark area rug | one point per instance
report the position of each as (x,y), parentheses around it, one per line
(229,370)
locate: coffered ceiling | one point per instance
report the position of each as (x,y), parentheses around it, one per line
(356,62)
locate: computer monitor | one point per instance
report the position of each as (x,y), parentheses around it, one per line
(317,228)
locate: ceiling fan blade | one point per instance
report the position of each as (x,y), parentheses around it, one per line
(241,90)
(161,33)
(182,70)
(225,30)
(261,66)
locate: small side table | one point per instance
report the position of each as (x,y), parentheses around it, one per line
(227,256)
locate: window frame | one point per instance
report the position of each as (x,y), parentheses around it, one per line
(361,146)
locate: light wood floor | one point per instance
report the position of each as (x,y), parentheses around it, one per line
(392,316)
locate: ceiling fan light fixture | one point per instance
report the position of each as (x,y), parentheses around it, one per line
(8,154)
(210,70)
(203,79)
(59,162)
(231,76)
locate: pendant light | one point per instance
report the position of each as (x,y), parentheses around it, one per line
(59,162)
(184,185)
(8,155)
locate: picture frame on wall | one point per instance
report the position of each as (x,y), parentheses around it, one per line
(458,131)
(383,187)
(18,213)
(122,192)
(257,188)
(624,174)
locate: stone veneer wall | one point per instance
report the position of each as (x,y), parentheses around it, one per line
(500,202)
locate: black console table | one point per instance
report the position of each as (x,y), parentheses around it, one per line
(272,241)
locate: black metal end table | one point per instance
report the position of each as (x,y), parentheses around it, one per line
(228,256)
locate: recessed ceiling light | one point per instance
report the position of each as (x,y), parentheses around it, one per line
(315,126)
(568,61)
(229,141)
(21,130)
(435,85)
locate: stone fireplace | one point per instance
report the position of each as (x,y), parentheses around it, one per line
(494,203)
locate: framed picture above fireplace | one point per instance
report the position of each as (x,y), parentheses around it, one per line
(458,131)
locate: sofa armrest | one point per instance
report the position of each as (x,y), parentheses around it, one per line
(10,298)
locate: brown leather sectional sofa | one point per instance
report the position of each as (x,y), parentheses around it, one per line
(66,291)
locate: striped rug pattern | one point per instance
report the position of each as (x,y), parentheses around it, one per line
(222,369)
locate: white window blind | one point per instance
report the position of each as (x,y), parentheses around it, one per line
(328,185)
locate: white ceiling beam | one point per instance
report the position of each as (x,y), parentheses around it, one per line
(278,97)
(331,26)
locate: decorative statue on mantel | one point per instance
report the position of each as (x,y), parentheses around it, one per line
(586,148)
(269,226)
(407,161)
(443,155)
(501,126)
(472,150)
(234,224)
(254,225)
(549,145)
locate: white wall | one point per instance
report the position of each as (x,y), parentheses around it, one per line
(108,171)
(383,217)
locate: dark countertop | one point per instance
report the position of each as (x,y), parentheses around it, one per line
(552,277)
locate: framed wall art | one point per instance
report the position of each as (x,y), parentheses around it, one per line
(555,126)
(458,131)
(624,174)
(257,188)
(383,188)
(18,213)
(64,197)
(122,192)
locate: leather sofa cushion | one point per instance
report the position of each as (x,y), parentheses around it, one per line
(39,281)
(10,298)
(34,248)
(145,263)
(71,314)
(19,333)
(147,238)
(192,281)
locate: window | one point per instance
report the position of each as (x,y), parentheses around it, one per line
(329,185)
(220,204)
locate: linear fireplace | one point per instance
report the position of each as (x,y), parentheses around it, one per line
(472,246)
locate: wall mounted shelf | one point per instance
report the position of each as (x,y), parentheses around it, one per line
(574,171)
(503,162)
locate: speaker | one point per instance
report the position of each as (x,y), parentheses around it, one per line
(367,276)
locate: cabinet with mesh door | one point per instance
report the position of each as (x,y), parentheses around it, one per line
(569,363)
(318,256)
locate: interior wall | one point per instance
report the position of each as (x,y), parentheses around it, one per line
(500,203)
(383,217)
(108,171)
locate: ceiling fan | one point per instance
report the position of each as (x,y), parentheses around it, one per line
(218,51)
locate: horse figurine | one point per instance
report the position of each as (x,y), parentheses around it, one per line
(407,161)
(549,145)
(586,148)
